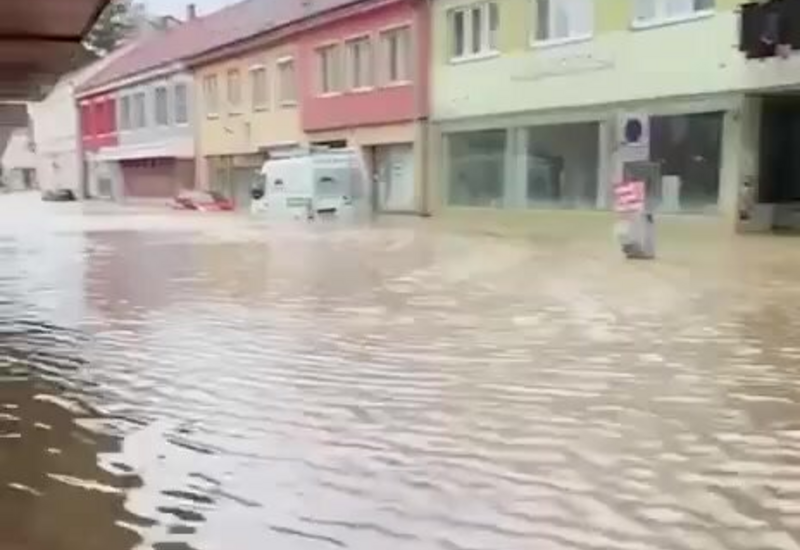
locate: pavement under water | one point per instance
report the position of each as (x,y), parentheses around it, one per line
(177,381)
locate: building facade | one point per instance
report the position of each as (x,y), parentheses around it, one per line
(354,74)
(138,138)
(249,109)
(364,84)
(542,104)
(18,161)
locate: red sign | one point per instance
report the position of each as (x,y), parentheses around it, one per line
(629,196)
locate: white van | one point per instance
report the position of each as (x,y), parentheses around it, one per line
(326,183)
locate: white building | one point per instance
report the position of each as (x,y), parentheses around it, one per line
(55,123)
(18,161)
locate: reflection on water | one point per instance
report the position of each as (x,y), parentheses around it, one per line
(211,385)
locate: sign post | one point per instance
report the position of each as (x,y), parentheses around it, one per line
(635,228)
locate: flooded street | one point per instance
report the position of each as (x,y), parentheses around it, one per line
(178,382)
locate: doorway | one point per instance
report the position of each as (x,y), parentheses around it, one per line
(394,178)
(780,140)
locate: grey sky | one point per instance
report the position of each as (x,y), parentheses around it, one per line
(178,7)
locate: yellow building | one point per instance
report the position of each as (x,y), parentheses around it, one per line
(246,108)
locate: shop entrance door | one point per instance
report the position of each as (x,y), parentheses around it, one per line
(394,178)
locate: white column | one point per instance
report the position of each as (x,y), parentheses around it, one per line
(515,191)
(605,153)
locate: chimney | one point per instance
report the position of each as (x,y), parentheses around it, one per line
(191,12)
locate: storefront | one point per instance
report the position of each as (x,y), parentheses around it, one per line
(571,161)
(235,175)
(392,160)
(156,178)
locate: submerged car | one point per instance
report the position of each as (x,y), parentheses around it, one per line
(58,195)
(203,201)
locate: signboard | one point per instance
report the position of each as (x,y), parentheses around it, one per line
(629,196)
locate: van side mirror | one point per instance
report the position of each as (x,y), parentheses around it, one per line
(257,192)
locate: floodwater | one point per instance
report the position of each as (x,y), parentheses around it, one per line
(186,382)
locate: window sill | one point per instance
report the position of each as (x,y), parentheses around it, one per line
(260,109)
(558,42)
(288,104)
(234,113)
(474,57)
(397,84)
(329,94)
(665,22)
(212,116)
(361,90)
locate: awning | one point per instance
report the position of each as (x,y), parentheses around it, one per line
(177,149)
(39,40)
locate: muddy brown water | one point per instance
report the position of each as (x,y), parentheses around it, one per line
(177,382)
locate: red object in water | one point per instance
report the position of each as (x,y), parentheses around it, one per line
(629,196)
(202,201)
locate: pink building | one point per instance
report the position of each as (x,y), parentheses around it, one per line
(98,122)
(363,83)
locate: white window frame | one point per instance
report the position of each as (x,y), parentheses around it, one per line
(264,104)
(487,46)
(280,81)
(550,39)
(349,52)
(140,117)
(386,78)
(234,104)
(187,109)
(662,16)
(211,95)
(335,71)
(161,88)
(125,123)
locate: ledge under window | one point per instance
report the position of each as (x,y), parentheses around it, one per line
(675,20)
(474,57)
(556,42)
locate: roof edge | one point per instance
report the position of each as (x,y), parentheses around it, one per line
(131,80)
(269,36)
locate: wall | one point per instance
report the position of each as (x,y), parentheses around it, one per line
(618,64)
(98,121)
(154,134)
(55,131)
(246,132)
(377,105)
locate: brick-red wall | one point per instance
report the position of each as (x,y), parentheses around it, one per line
(98,121)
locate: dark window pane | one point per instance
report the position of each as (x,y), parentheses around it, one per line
(477,168)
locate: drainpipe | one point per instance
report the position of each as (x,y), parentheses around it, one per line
(421,86)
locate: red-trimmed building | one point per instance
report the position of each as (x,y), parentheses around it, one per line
(364,82)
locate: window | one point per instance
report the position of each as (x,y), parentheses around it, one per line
(181,103)
(359,63)
(329,69)
(161,101)
(564,19)
(86,119)
(396,55)
(259,90)
(234,91)
(139,110)
(125,113)
(562,165)
(97,114)
(473,30)
(211,95)
(656,11)
(287,91)
(688,151)
(477,168)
